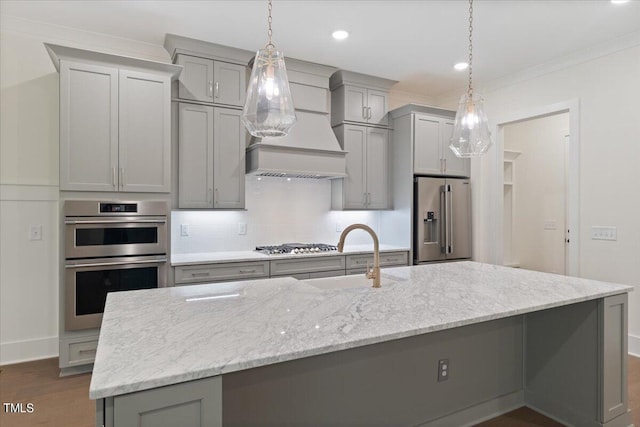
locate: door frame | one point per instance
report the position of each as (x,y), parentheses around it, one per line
(572,189)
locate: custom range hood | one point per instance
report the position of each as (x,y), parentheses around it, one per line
(310,150)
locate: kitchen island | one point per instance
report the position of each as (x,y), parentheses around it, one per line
(288,352)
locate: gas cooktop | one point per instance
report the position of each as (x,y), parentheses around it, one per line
(296,248)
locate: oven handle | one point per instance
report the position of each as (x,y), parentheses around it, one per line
(108,264)
(116,221)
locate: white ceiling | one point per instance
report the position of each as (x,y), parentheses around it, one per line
(415,42)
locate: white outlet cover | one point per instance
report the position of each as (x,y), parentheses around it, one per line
(184,230)
(35,232)
(242,228)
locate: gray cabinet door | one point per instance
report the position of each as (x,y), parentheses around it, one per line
(355,99)
(229,145)
(88,127)
(354,186)
(426,148)
(195,156)
(377,103)
(229,86)
(377,168)
(196,80)
(453,166)
(144,132)
(190,404)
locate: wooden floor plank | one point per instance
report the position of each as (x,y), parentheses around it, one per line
(64,402)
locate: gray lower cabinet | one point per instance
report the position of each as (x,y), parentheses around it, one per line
(228,271)
(190,404)
(211,157)
(77,351)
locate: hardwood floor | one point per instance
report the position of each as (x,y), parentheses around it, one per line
(64,402)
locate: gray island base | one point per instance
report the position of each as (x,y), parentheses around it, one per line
(281,352)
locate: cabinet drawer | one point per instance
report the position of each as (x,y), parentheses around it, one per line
(387,259)
(78,352)
(306,265)
(331,273)
(205,273)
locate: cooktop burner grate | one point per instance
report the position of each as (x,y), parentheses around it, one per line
(296,248)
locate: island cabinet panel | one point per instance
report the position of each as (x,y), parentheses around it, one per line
(191,404)
(584,345)
(206,273)
(387,384)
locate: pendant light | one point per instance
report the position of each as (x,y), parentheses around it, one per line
(268,109)
(471,136)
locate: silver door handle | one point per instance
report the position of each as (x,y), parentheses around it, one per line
(210,89)
(217,91)
(109,264)
(443,227)
(450,220)
(364,112)
(116,221)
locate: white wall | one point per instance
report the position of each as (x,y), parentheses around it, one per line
(29,193)
(538,192)
(608,88)
(278,211)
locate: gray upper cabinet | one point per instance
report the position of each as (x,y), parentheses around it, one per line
(216,82)
(145,132)
(211,157)
(114,129)
(432,155)
(359,98)
(367,183)
(88,127)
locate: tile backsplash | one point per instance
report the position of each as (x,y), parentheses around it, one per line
(278,211)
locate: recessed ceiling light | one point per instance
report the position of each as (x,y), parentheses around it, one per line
(619,1)
(340,34)
(461,66)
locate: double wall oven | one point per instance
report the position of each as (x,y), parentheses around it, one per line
(110,247)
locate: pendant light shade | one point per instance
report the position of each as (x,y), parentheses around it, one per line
(268,109)
(471,136)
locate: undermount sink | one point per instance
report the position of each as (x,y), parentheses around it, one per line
(347,282)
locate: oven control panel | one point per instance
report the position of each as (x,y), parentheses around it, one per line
(118,207)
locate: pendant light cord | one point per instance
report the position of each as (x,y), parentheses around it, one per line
(470,46)
(270,32)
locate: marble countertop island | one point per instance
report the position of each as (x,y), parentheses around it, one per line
(152,338)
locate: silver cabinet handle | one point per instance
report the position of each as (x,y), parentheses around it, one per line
(116,221)
(200,274)
(113,177)
(210,89)
(369,113)
(248,271)
(91,351)
(364,112)
(217,91)
(450,220)
(111,264)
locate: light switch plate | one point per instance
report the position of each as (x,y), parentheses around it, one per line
(184,230)
(242,228)
(35,232)
(550,225)
(604,233)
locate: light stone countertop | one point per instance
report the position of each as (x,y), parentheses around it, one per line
(240,256)
(156,337)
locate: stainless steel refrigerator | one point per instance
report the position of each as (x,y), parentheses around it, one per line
(442,215)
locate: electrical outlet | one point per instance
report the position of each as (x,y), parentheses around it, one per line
(242,228)
(604,233)
(443,370)
(35,232)
(550,225)
(184,230)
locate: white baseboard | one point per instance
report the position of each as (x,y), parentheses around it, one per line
(634,345)
(27,350)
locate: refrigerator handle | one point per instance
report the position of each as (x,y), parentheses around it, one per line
(444,242)
(450,220)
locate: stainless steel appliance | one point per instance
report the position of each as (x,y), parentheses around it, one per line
(110,247)
(442,219)
(296,248)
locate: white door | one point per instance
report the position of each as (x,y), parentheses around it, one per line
(145,132)
(195,156)
(88,127)
(229,85)
(426,148)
